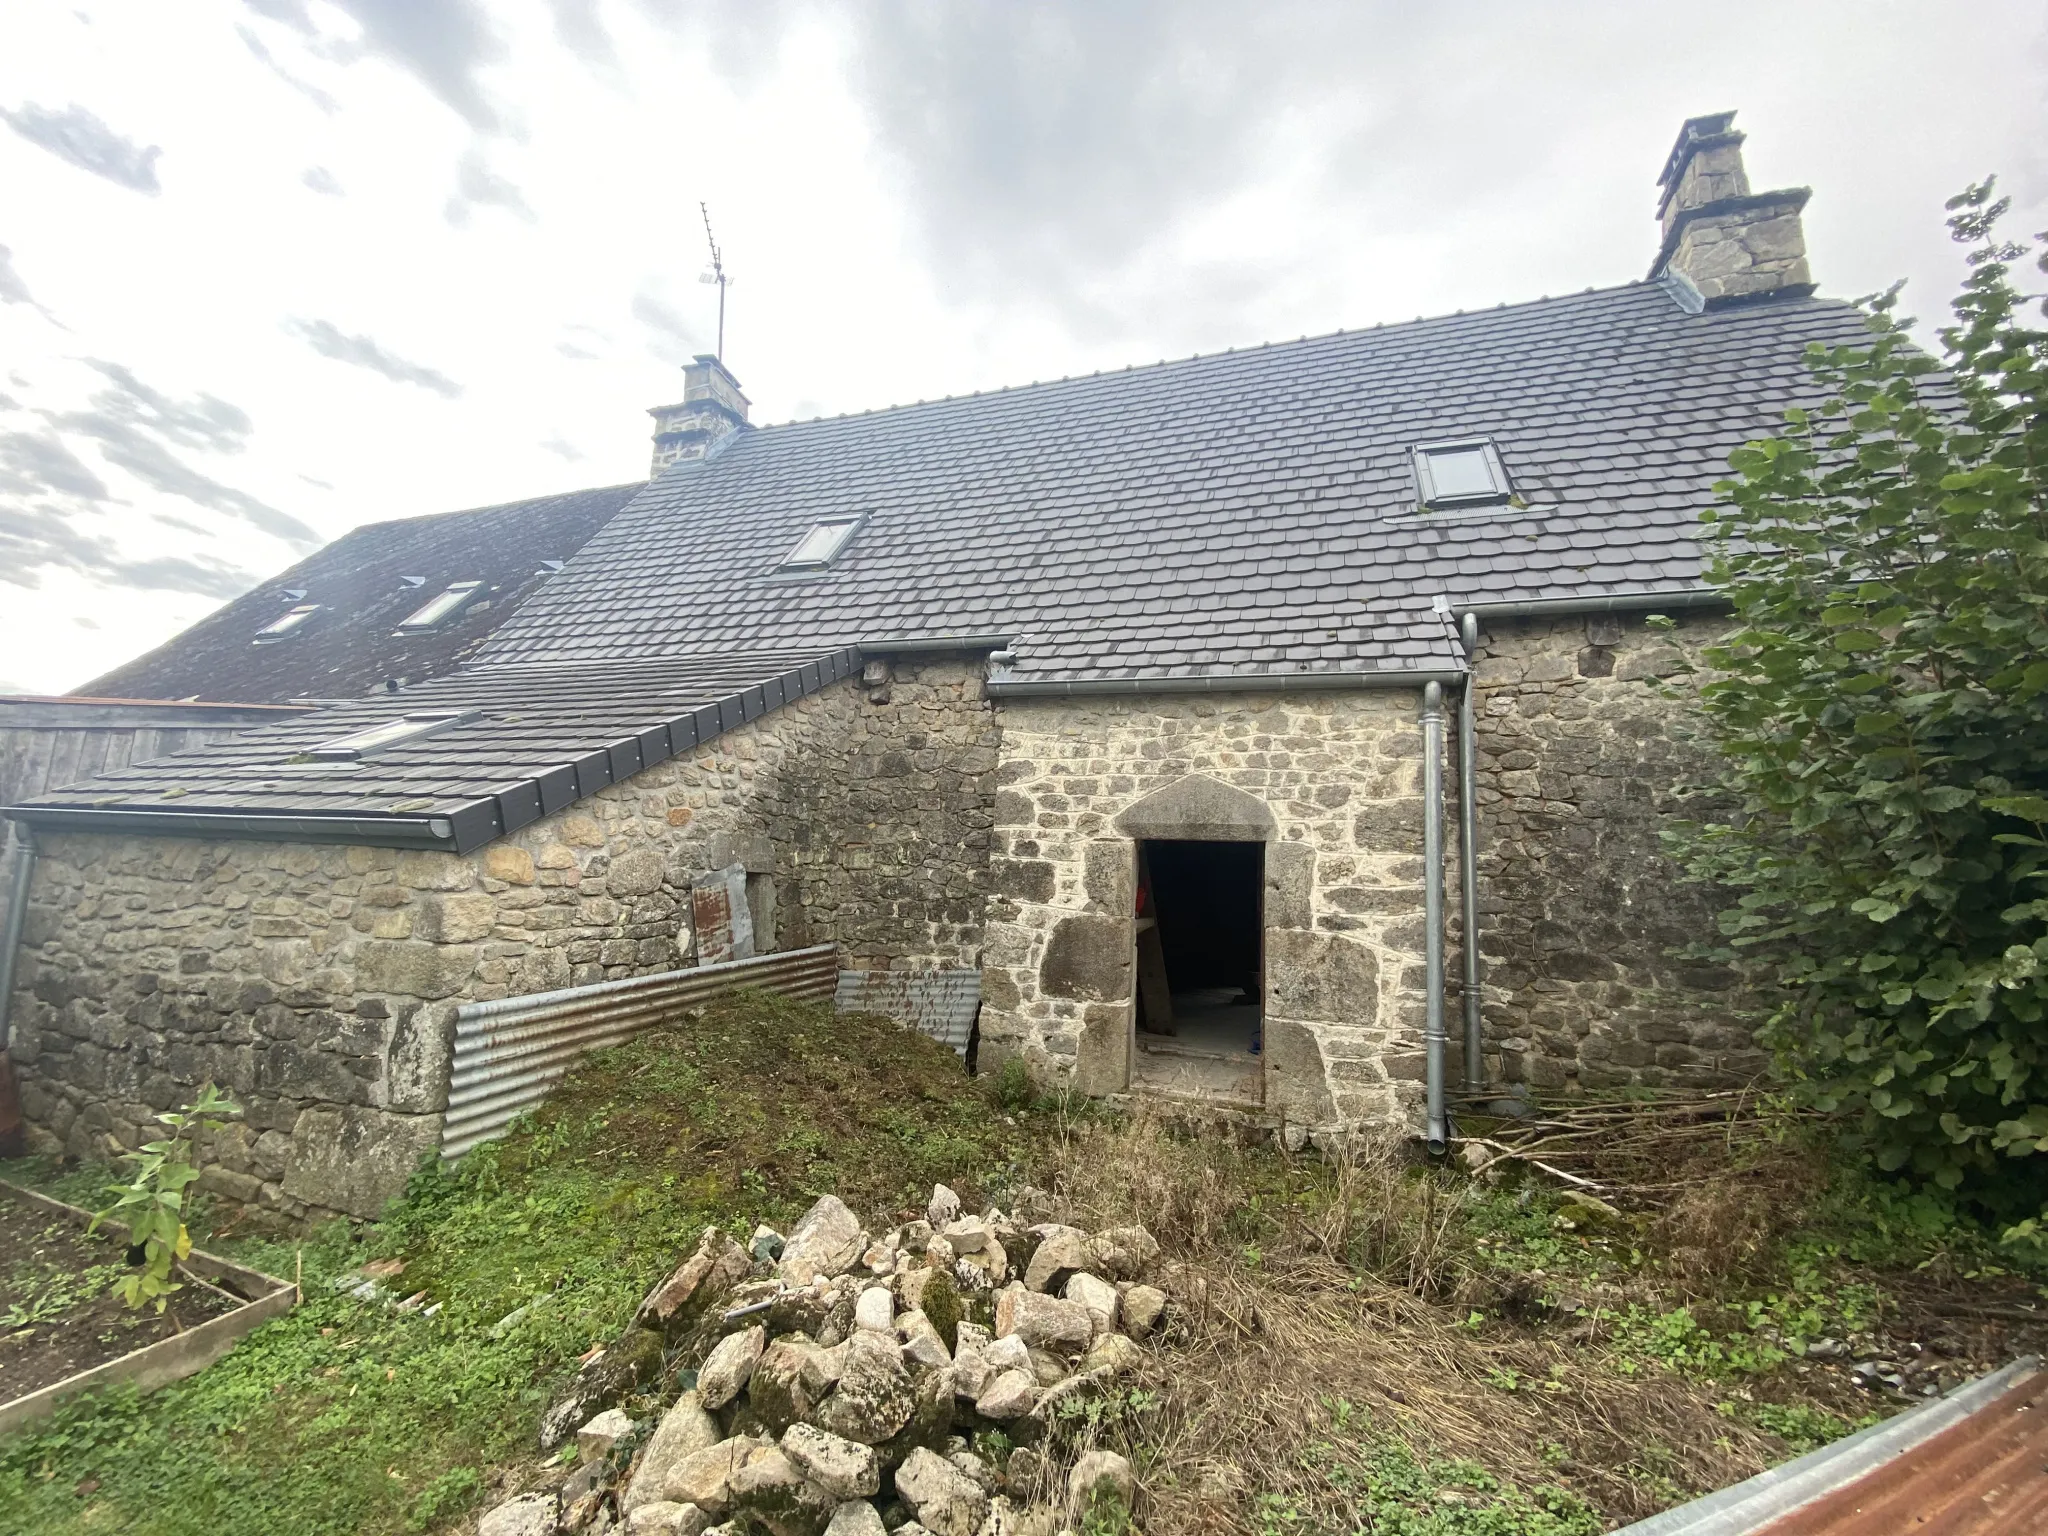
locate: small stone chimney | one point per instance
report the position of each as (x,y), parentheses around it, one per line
(711,410)
(1724,244)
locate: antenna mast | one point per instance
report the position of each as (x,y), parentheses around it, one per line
(715,275)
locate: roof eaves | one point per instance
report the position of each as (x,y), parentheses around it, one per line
(472,824)
(1224,682)
(145,821)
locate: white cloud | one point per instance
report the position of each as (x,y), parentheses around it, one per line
(917,200)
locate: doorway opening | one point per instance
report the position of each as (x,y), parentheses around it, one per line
(1200,923)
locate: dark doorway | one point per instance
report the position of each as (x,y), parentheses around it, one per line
(1199,983)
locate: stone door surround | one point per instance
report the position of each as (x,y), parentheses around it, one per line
(1195,808)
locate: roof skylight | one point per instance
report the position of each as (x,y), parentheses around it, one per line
(287,623)
(403,731)
(1460,474)
(821,546)
(444,606)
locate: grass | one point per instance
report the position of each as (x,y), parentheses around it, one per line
(1362,1345)
(1373,1346)
(350,1417)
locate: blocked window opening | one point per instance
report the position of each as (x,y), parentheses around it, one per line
(1200,920)
(761,907)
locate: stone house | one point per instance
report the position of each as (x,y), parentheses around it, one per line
(1205,708)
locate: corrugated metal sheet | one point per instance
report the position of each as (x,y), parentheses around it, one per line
(1987,1476)
(510,1052)
(941,1004)
(1971,1463)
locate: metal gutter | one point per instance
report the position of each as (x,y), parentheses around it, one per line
(1436,1133)
(1223,682)
(1468,853)
(1749,1506)
(1680,599)
(474,823)
(382,831)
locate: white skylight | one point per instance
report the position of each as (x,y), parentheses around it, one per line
(285,623)
(390,733)
(444,606)
(820,547)
(1458,474)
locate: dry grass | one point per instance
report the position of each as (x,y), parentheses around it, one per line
(1310,1293)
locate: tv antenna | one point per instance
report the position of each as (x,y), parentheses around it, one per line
(715,273)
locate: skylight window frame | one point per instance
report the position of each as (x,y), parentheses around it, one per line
(286,624)
(399,731)
(1425,479)
(452,601)
(851,522)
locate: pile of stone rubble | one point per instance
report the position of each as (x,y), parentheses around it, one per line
(841,1380)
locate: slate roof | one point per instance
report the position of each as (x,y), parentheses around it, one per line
(349,647)
(547,736)
(1249,513)
(1247,516)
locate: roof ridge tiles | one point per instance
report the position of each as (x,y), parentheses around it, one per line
(1380,327)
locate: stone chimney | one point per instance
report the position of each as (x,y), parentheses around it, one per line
(1724,244)
(711,410)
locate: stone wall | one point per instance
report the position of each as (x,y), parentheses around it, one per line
(1337,777)
(319,983)
(884,826)
(1580,756)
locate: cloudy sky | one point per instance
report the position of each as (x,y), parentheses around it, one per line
(274,268)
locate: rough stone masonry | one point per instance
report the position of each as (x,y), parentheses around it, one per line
(1582,753)
(904,818)
(1330,783)
(319,983)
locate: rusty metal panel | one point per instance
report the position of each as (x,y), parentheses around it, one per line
(510,1052)
(1983,1476)
(941,1004)
(1974,1461)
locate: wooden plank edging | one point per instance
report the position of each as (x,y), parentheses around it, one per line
(167,1360)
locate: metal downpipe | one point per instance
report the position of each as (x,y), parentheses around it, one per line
(1468,852)
(1436,1133)
(11,1133)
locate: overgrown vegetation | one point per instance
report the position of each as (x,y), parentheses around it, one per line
(355,1416)
(1357,1344)
(1374,1345)
(1882,706)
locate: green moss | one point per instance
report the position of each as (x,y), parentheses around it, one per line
(942,1305)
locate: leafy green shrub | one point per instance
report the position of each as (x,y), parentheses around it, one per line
(152,1200)
(1882,708)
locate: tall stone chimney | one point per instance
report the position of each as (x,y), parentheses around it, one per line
(1724,244)
(711,410)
